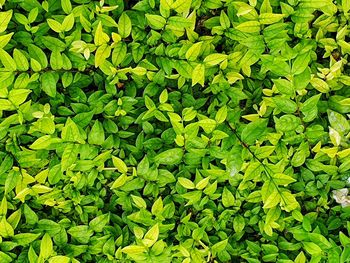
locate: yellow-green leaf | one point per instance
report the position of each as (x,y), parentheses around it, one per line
(100,37)
(68,22)
(4,39)
(269,18)
(59,259)
(6,229)
(320,85)
(151,236)
(188,184)
(7,60)
(155,21)
(102,53)
(5,18)
(124,25)
(198,75)
(120,165)
(249,27)
(120,181)
(134,249)
(54,25)
(273,199)
(66,6)
(193,52)
(214,59)
(46,246)
(21,60)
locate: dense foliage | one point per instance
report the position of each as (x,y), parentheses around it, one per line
(174,131)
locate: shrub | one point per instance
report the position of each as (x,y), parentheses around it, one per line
(174,131)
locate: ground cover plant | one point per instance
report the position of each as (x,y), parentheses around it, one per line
(174,131)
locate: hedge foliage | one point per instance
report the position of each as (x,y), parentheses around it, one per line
(174,131)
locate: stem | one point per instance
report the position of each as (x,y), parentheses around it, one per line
(266,169)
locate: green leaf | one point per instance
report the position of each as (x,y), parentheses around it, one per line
(208,125)
(25,238)
(284,86)
(273,199)
(284,104)
(18,96)
(7,60)
(53,43)
(71,132)
(227,198)
(6,105)
(119,53)
(301,63)
(119,182)
(320,85)
(320,240)
(198,75)
(310,109)
(253,131)
(102,53)
(46,246)
(48,83)
(81,233)
(181,6)
(6,229)
(283,179)
(100,37)
(224,20)
(288,201)
(124,25)
(220,246)
(188,184)
(151,236)
(139,202)
(120,165)
(270,18)
(179,22)
(157,206)
(20,60)
(155,21)
(249,27)
(69,156)
(98,223)
(44,142)
(4,39)
(253,171)
(193,52)
(5,258)
(143,166)
(312,248)
(5,18)
(66,6)
(169,157)
(56,60)
(345,254)
(59,259)
(338,122)
(344,240)
(214,59)
(134,249)
(300,258)
(97,134)
(265,7)
(238,223)
(55,25)
(68,22)
(37,54)
(221,115)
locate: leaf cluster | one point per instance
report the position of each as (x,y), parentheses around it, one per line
(174,131)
